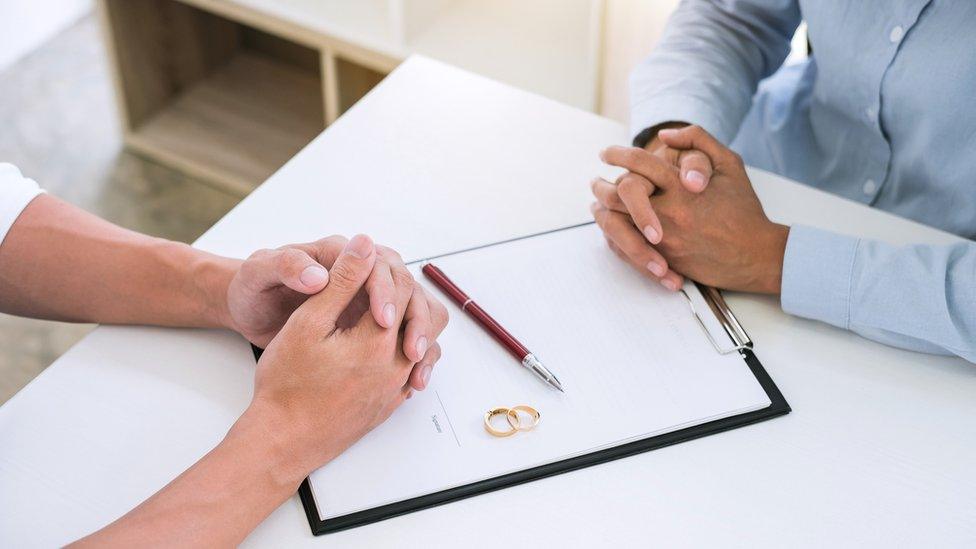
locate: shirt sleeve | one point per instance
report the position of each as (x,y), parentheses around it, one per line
(919,297)
(709,62)
(16,192)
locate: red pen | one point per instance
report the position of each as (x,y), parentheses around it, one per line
(491,325)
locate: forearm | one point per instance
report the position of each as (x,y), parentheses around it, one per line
(918,297)
(220,499)
(709,61)
(59,262)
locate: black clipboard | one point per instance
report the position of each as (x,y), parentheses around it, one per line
(742,344)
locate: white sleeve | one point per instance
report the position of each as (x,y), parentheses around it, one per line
(16,192)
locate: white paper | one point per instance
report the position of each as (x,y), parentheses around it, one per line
(630,355)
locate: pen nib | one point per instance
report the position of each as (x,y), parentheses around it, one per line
(543,373)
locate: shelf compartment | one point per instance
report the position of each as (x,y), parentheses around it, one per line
(209,96)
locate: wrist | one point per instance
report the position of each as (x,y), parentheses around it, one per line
(211,276)
(267,429)
(773,248)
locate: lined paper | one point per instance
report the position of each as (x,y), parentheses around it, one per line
(632,358)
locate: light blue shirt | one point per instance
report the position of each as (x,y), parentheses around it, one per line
(883,112)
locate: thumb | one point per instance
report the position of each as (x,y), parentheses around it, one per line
(349,274)
(696,170)
(298,270)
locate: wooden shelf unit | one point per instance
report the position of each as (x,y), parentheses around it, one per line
(229,90)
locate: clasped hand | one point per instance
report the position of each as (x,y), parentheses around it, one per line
(334,371)
(349,335)
(686,207)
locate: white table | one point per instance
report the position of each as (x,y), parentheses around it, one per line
(878,450)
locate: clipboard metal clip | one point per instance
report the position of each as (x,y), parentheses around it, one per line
(740,339)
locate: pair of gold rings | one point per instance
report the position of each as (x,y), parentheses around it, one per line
(514,417)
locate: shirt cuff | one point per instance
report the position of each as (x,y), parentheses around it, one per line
(16,192)
(655,110)
(818,271)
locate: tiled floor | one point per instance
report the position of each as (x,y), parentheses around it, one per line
(58,124)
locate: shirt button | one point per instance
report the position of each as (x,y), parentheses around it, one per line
(896,34)
(869,187)
(869,113)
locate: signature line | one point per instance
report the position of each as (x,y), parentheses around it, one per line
(449,424)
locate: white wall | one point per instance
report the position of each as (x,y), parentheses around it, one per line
(26,24)
(631,29)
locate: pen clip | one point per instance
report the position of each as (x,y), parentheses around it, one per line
(740,339)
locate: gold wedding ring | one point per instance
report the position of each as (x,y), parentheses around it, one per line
(507,412)
(517,422)
(513,416)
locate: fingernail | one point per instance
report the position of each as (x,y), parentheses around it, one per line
(409,395)
(667,132)
(603,155)
(360,246)
(656,268)
(652,235)
(422,346)
(425,375)
(389,314)
(669,284)
(696,178)
(313,275)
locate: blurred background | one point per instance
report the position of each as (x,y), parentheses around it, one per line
(160,115)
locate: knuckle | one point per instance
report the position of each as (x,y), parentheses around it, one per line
(258,255)
(616,202)
(692,159)
(633,247)
(627,183)
(620,231)
(334,241)
(604,191)
(637,251)
(600,216)
(605,226)
(632,155)
(736,159)
(420,294)
(392,254)
(439,314)
(289,260)
(287,257)
(343,274)
(402,277)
